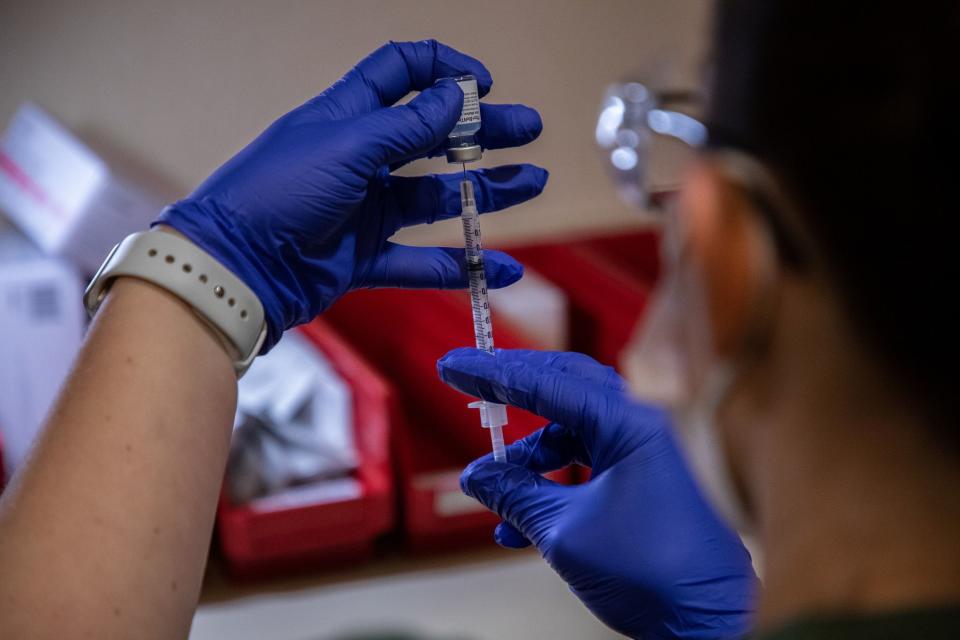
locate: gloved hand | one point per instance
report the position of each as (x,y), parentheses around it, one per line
(637,543)
(303,214)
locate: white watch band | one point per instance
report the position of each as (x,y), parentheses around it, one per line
(174,263)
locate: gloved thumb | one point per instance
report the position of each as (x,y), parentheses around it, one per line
(506,535)
(524,498)
(399,133)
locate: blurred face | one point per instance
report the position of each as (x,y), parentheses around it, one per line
(710,321)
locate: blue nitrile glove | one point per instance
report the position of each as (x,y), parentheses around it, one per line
(637,543)
(302,215)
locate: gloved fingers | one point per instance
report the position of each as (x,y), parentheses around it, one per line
(553,447)
(393,71)
(502,126)
(427,199)
(525,499)
(578,364)
(557,396)
(392,135)
(547,449)
(506,535)
(436,268)
(508,125)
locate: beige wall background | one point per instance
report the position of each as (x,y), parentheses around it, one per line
(173,88)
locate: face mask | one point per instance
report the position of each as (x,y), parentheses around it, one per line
(671,361)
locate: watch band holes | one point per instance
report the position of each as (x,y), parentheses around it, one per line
(243,314)
(187,268)
(231,302)
(203,277)
(152,252)
(169,259)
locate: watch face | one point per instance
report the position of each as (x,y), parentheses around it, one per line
(97,289)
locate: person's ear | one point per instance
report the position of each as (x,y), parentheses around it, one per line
(727,245)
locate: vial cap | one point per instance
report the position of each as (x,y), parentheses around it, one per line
(470,153)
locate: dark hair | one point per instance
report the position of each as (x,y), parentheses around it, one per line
(854,105)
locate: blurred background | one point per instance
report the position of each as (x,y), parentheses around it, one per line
(112,108)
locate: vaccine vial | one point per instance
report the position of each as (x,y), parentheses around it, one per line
(462,144)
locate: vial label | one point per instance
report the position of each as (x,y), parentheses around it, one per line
(471,102)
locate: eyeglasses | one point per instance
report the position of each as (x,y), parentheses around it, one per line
(649,137)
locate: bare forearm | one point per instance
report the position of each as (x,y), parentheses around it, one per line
(126,474)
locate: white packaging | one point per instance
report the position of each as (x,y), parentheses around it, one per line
(41,323)
(294,423)
(62,195)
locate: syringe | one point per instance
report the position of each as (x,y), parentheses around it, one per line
(463,147)
(492,415)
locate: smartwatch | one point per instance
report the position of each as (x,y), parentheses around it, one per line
(218,297)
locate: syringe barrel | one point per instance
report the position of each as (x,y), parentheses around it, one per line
(467,199)
(492,415)
(471,228)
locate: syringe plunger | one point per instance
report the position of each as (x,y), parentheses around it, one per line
(493,416)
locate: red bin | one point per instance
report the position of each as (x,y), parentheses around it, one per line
(305,528)
(608,281)
(404,333)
